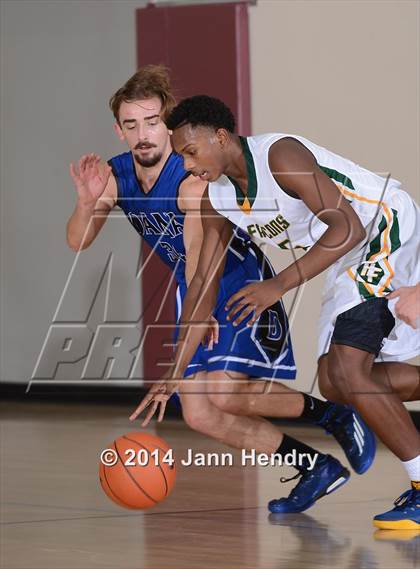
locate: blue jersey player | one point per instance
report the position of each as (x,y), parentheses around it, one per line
(226,393)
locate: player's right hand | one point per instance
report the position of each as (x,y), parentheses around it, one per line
(212,335)
(158,394)
(90,178)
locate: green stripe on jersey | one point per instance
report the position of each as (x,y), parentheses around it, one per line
(376,272)
(338,177)
(394,234)
(251,174)
(375,244)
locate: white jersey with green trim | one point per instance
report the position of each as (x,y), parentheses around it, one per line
(386,260)
(276,217)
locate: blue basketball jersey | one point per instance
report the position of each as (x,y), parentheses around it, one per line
(156,217)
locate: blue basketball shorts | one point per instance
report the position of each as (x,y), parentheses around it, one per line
(261,351)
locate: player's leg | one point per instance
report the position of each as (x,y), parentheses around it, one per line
(403,378)
(320,474)
(236,393)
(239,432)
(357,339)
(350,372)
(203,416)
(397,377)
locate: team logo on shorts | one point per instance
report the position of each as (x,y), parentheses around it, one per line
(271,332)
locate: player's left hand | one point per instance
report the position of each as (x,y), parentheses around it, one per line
(158,394)
(253,298)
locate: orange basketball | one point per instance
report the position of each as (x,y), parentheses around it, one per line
(137,470)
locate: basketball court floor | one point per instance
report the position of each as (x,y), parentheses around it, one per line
(54,514)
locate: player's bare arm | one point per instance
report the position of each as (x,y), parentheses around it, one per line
(97,194)
(189,201)
(202,293)
(197,309)
(297,172)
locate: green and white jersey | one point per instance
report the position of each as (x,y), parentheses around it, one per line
(270,215)
(387,259)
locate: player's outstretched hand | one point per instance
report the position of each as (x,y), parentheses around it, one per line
(253,298)
(158,394)
(408,306)
(90,178)
(212,336)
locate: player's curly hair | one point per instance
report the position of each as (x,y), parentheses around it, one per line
(201,110)
(149,81)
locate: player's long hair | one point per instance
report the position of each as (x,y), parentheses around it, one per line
(149,81)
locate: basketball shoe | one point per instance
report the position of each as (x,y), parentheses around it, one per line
(327,475)
(352,434)
(405,515)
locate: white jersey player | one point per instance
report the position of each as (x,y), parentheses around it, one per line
(287,191)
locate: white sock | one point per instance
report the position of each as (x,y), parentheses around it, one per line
(413,468)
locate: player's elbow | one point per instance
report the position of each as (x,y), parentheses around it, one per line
(76,247)
(76,244)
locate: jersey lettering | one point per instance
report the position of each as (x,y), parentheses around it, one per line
(172,253)
(270,229)
(156,223)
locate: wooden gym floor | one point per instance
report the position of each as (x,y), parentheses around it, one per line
(54,514)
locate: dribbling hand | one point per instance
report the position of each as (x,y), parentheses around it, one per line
(158,394)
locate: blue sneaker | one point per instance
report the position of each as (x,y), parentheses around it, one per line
(327,475)
(352,434)
(405,515)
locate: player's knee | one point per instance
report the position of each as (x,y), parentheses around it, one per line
(325,388)
(323,380)
(198,420)
(225,388)
(349,372)
(338,377)
(227,402)
(339,371)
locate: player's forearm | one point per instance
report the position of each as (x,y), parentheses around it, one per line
(81,227)
(193,254)
(197,308)
(320,257)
